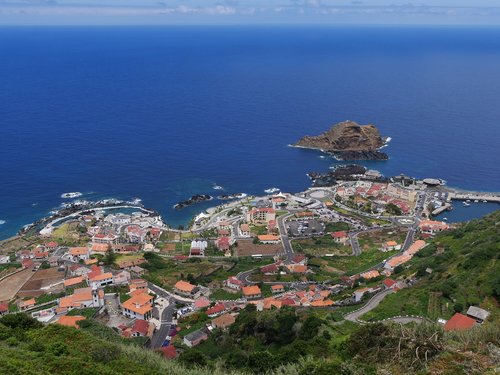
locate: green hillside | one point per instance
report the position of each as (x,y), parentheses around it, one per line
(457,269)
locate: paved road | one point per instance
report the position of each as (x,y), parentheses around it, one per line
(285,240)
(376,299)
(166,324)
(166,316)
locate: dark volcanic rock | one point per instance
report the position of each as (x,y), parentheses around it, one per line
(360,155)
(342,172)
(198,198)
(348,141)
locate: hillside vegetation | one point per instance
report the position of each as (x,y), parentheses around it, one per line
(459,268)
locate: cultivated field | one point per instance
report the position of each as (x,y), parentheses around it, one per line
(11,285)
(247,248)
(43,279)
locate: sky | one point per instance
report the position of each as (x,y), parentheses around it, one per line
(175,12)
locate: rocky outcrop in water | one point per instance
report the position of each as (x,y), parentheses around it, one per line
(198,198)
(348,141)
(343,172)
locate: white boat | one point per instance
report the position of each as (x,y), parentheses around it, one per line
(74,194)
(476,201)
(466,204)
(445,219)
(272,190)
(468,200)
(485,201)
(217,187)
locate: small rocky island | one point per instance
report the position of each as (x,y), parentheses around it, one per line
(198,198)
(348,141)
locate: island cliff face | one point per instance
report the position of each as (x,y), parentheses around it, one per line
(348,141)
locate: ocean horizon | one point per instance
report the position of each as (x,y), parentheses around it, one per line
(163,113)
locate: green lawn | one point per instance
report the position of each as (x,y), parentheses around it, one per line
(351,265)
(221,294)
(320,246)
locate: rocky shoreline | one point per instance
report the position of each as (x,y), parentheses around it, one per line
(85,206)
(360,155)
(198,198)
(330,178)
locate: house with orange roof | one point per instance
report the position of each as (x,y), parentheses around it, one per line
(138,306)
(101,280)
(184,288)
(269,238)
(459,322)
(296,268)
(100,248)
(390,246)
(223,321)
(70,321)
(4,308)
(251,292)
(278,288)
(244,230)
(431,227)
(233,283)
(415,247)
(94,271)
(218,309)
(268,304)
(138,284)
(340,237)
(91,261)
(370,274)
(79,253)
(201,303)
(142,328)
(396,261)
(26,305)
(321,303)
(82,298)
(74,281)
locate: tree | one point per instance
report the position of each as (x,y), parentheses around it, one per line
(391,208)
(110,257)
(193,358)
(399,269)
(261,361)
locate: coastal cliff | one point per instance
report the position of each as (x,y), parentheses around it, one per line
(348,141)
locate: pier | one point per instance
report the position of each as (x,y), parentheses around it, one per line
(437,211)
(488,197)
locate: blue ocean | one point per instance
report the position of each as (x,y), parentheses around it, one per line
(162,113)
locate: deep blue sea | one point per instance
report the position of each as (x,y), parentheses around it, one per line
(161,113)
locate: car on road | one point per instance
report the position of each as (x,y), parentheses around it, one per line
(165,343)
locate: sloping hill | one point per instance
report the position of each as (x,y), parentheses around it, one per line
(458,269)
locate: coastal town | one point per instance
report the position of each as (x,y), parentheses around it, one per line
(339,247)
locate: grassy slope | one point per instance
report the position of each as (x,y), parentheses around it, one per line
(466,271)
(56,349)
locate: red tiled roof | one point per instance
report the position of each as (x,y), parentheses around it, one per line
(339,234)
(169,352)
(141,326)
(459,322)
(216,309)
(389,282)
